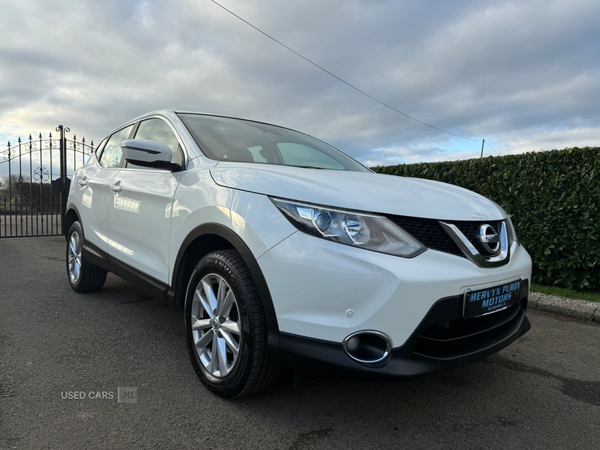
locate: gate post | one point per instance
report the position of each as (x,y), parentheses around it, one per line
(64,193)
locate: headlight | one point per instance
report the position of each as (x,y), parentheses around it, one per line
(362,230)
(510,228)
(512,233)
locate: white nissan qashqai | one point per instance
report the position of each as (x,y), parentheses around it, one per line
(285,252)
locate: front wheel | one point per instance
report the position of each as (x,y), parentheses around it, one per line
(83,275)
(226,328)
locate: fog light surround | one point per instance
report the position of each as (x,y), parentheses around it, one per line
(368,346)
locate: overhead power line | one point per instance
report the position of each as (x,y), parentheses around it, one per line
(340,79)
(488,145)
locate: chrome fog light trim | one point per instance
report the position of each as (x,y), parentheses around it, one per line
(361,344)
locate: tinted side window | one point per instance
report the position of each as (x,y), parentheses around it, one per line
(111,156)
(100,148)
(159,130)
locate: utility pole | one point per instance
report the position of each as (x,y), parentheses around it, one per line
(482,144)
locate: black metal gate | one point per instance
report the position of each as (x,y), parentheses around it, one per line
(34,183)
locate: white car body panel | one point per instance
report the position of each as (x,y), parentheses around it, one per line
(358,191)
(252,217)
(139,219)
(92,197)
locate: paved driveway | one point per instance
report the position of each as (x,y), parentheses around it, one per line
(541,392)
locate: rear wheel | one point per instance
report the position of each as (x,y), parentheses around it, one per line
(226,329)
(83,275)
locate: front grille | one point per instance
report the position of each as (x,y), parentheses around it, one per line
(459,337)
(430,233)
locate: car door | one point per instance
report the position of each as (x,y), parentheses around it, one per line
(139,213)
(92,189)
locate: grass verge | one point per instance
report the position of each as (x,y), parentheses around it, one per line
(567,293)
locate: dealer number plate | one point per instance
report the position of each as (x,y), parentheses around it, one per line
(491,300)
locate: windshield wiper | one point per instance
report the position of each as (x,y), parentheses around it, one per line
(306,167)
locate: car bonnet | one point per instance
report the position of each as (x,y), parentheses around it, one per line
(360,191)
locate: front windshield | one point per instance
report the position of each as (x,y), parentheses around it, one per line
(226,139)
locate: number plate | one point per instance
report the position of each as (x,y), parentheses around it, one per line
(490,300)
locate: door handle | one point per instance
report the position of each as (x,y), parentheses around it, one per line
(116,188)
(82,182)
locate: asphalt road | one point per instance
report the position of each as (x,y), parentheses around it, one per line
(541,392)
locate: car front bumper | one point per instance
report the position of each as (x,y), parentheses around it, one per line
(326,291)
(442,341)
(323,292)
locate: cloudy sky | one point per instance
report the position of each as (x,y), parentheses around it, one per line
(524,75)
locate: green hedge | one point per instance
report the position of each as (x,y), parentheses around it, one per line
(553,198)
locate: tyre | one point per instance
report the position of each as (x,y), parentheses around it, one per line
(226,328)
(83,275)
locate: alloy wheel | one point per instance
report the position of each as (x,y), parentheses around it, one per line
(216,325)
(74,257)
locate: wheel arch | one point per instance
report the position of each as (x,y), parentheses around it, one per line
(71,216)
(211,237)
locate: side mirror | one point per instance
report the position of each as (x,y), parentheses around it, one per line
(146,153)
